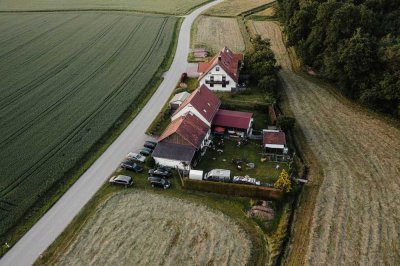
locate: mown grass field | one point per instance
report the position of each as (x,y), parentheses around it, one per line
(234,8)
(155,6)
(187,220)
(215,32)
(134,227)
(66,80)
(268,12)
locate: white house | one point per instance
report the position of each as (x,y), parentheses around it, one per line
(221,73)
(202,103)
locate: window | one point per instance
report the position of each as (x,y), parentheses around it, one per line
(211,78)
(217,68)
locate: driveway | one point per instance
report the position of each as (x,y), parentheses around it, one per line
(52,224)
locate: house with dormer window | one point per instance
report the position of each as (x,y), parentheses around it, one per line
(221,73)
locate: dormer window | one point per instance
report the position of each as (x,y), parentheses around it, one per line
(217,68)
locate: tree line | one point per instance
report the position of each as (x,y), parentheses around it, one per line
(355,43)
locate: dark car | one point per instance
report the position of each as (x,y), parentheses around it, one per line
(159,182)
(145,151)
(150,144)
(160,172)
(121,180)
(130,165)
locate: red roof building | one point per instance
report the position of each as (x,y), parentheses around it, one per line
(274,141)
(186,130)
(221,73)
(202,102)
(233,120)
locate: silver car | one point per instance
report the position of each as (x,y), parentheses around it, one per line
(136,157)
(121,180)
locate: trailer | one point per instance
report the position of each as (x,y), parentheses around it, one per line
(196,175)
(220,175)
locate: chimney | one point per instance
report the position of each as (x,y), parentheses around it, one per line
(219,58)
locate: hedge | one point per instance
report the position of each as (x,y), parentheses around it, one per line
(234,189)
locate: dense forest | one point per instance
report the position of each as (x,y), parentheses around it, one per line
(355,43)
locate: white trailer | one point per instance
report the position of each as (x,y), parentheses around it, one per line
(196,175)
(218,175)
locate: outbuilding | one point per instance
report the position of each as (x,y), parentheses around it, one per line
(234,122)
(274,142)
(177,100)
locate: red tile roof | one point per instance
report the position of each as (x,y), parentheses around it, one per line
(189,127)
(204,101)
(274,137)
(226,59)
(232,119)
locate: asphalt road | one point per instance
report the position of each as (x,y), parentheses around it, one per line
(52,224)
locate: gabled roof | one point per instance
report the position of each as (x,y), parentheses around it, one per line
(180,97)
(204,101)
(232,119)
(174,151)
(275,137)
(226,59)
(189,127)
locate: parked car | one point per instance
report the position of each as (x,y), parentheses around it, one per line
(159,182)
(136,157)
(145,151)
(160,172)
(150,144)
(130,165)
(121,180)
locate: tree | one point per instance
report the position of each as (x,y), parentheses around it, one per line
(268,84)
(285,122)
(283,182)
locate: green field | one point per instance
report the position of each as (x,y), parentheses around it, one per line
(66,78)
(155,6)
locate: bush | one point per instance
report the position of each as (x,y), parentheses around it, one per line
(285,122)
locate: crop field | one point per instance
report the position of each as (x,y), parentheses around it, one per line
(215,32)
(156,6)
(66,78)
(234,8)
(356,215)
(268,12)
(141,228)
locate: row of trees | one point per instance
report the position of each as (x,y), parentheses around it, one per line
(355,43)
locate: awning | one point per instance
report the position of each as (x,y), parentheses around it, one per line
(219,129)
(274,146)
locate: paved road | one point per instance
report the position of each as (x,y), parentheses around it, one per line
(51,225)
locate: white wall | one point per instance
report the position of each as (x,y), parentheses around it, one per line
(190,108)
(218,77)
(204,142)
(170,163)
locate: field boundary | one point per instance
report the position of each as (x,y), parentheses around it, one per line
(234,189)
(48,199)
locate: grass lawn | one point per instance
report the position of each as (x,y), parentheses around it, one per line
(263,171)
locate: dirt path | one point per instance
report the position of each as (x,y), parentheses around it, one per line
(140,228)
(356,215)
